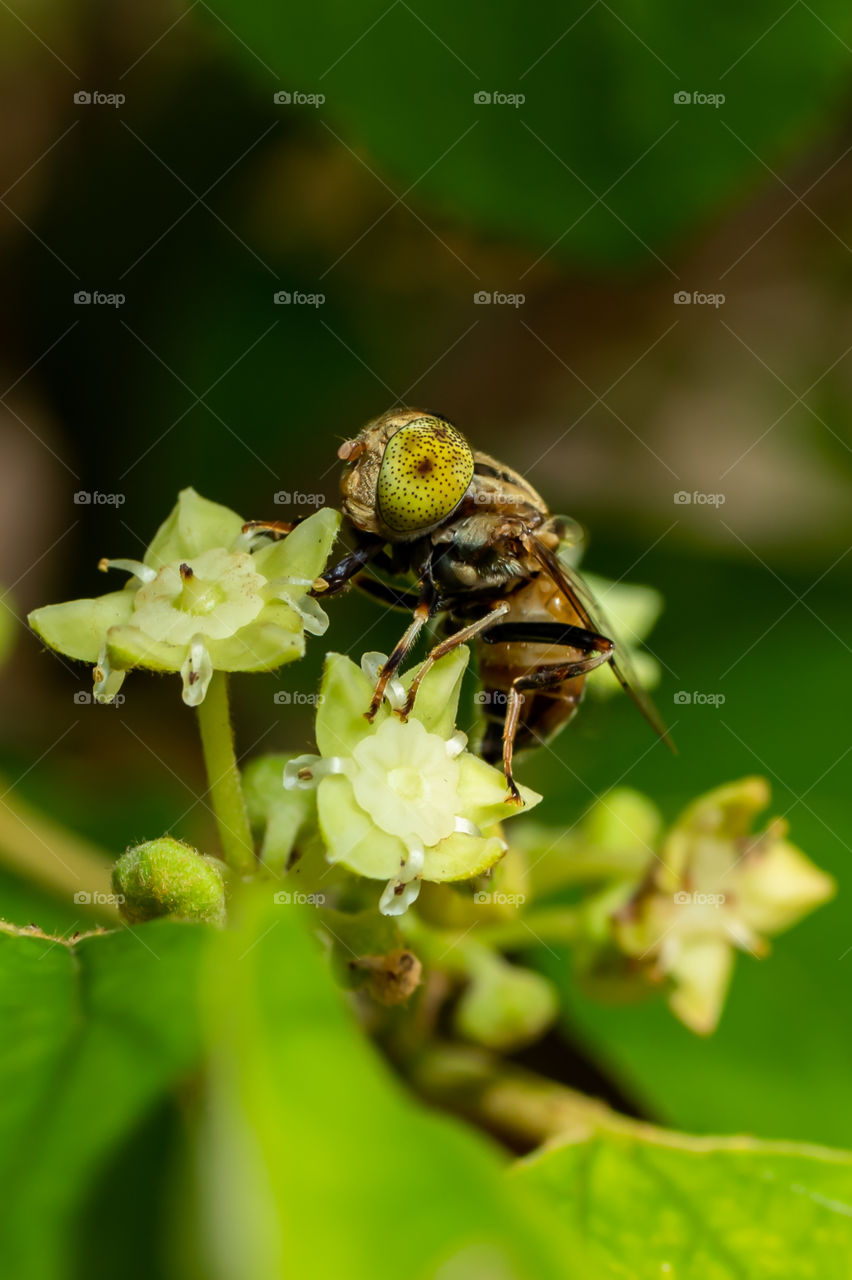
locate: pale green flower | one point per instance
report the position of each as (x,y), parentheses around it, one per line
(199,601)
(402,802)
(717,888)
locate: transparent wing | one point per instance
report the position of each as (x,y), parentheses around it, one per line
(594,617)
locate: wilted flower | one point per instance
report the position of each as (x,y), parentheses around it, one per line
(402,802)
(199,601)
(717,888)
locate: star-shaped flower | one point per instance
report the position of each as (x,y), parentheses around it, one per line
(717,888)
(199,601)
(402,801)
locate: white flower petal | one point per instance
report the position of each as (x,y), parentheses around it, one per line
(398,897)
(106,681)
(196,673)
(304,773)
(139,570)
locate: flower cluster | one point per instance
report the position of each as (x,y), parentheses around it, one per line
(200,600)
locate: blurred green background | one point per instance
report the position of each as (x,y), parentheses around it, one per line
(620,182)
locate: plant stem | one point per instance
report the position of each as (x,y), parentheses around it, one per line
(46,853)
(525,1108)
(223,776)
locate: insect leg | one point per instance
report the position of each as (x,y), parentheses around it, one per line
(597,648)
(447,646)
(340,574)
(276,529)
(422,614)
(550,633)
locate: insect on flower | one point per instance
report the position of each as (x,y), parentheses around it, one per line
(463,539)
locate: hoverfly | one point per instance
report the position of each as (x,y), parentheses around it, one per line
(473,545)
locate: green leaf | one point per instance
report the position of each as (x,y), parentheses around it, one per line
(648,1204)
(600,165)
(326,1166)
(93,1034)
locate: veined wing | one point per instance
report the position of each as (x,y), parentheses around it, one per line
(594,618)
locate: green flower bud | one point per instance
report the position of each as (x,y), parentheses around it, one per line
(167,878)
(504,1007)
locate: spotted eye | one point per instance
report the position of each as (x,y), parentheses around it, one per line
(426,468)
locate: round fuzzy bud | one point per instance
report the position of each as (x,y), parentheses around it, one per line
(168,878)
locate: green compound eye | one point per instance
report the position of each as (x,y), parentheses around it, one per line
(426,468)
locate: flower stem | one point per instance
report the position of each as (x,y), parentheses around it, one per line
(223,776)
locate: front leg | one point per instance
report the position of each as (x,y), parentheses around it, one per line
(447,646)
(422,614)
(342,573)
